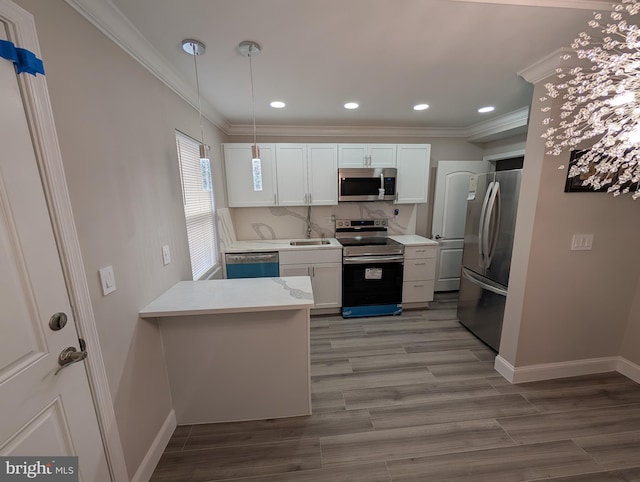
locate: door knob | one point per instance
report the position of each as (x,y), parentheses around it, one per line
(69,356)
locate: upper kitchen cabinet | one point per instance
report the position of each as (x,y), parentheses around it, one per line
(241,191)
(367,155)
(291,173)
(413,173)
(322,167)
(307,174)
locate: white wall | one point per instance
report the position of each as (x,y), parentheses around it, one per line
(631,341)
(505,147)
(567,305)
(116,125)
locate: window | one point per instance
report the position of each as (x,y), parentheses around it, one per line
(199,206)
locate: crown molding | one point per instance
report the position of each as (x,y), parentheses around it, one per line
(545,67)
(499,127)
(108,18)
(343,131)
(577,4)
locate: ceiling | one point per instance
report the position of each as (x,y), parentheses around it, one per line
(387,55)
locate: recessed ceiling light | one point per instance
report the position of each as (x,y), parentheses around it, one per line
(486,109)
(421,107)
(277,104)
(351,105)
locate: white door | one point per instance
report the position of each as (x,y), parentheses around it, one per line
(449,214)
(41,413)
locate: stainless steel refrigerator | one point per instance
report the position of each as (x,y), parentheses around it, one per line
(492,205)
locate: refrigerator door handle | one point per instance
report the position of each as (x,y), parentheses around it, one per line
(481,228)
(493,223)
(483,283)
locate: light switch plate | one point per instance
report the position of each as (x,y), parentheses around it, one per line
(108,280)
(166,255)
(582,242)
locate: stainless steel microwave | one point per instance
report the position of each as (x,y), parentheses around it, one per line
(366,184)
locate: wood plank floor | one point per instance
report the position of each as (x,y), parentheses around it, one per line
(415,398)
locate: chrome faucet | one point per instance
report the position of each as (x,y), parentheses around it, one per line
(309,221)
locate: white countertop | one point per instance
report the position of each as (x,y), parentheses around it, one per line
(414,240)
(276,245)
(232,296)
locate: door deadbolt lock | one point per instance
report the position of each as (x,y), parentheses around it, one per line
(58,321)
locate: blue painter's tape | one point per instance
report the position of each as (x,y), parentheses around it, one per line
(374,310)
(24,60)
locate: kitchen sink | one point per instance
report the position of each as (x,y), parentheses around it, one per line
(309,242)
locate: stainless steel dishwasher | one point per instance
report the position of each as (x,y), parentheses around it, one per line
(252,265)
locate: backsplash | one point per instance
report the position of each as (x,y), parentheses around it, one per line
(290,222)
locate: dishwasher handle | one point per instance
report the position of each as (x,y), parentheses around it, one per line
(243,258)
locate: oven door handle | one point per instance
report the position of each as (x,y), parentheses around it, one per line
(373,259)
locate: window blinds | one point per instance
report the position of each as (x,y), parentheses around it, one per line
(199,207)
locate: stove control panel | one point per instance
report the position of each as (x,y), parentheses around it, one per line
(362,223)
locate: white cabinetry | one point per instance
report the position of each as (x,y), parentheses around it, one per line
(419,274)
(291,174)
(324,266)
(322,174)
(413,173)
(367,155)
(307,174)
(239,175)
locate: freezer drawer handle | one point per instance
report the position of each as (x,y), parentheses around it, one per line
(494,289)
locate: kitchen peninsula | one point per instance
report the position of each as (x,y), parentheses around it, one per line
(236,349)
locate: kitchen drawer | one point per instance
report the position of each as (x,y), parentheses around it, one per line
(417,291)
(413,252)
(310,256)
(419,269)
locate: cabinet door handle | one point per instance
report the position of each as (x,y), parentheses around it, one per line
(418,286)
(421,264)
(309,198)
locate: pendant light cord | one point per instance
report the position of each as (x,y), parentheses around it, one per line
(195,62)
(253,102)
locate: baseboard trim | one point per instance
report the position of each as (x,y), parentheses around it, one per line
(629,369)
(504,368)
(152,457)
(548,371)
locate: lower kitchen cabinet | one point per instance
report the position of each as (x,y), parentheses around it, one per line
(324,267)
(419,274)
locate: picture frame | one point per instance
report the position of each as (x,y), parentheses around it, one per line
(574,184)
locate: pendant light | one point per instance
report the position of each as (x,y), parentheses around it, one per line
(248,48)
(195,48)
